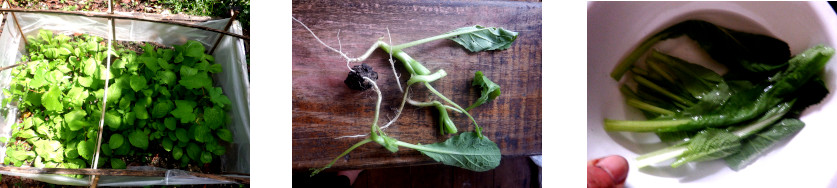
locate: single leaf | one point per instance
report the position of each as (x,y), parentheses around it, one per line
(113,120)
(206,157)
(216,95)
(161,108)
(199,80)
(138,139)
(138,83)
(116,141)
(184,111)
(214,117)
(709,144)
(214,68)
(166,77)
(194,49)
(478,38)
(466,150)
(117,163)
(224,134)
(171,123)
(757,145)
(76,119)
(167,144)
(182,135)
(176,152)
(194,151)
(86,149)
(202,133)
(52,99)
(490,90)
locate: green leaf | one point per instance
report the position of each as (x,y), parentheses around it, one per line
(216,95)
(76,119)
(107,150)
(171,123)
(167,77)
(116,141)
(184,110)
(194,151)
(76,96)
(113,120)
(177,153)
(214,68)
(90,66)
(86,149)
(167,144)
(466,150)
(478,38)
(224,134)
(71,151)
(162,108)
(757,145)
(138,139)
(138,83)
(187,71)
(194,49)
(214,117)
(85,81)
(199,80)
(140,110)
(490,90)
(709,144)
(150,62)
(117,163)
(182,135)
(206,157)
(202,133)
(52,99)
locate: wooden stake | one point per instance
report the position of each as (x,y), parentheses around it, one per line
(126,17)
(226,28)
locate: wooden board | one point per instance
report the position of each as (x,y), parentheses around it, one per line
(324,108)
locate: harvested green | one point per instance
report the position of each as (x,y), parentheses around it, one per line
(706,115)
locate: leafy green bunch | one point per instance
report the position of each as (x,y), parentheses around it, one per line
(161,98)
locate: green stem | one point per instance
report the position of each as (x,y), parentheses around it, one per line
(645,82)
(660,155)
(413,67)
(362,142)
(427,78)
(476,126)
(437,37)
(629,61)
(642,126)
(648,107)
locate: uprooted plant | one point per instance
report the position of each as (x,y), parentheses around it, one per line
(469,150)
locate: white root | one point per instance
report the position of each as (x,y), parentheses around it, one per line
(363,57)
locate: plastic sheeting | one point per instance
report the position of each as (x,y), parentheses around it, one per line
(234,79)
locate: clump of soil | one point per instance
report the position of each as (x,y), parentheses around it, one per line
(355,79)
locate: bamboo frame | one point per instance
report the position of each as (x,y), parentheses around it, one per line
(116,172)
(94,172)
(126,17)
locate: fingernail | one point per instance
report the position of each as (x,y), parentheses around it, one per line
(616,166)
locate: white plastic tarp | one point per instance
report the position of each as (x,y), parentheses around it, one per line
(234,79)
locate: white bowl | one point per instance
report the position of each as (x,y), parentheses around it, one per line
(615,28)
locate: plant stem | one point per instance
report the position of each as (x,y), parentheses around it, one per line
(641,126)
(476,126)
(362,142)
(437,37)
(660,155)
(427,78)
(413,66)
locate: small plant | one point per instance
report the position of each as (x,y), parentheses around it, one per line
(163,98)
(469,150)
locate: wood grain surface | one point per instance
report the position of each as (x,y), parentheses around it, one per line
(324,108)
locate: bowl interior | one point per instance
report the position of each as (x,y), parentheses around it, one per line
(615,28)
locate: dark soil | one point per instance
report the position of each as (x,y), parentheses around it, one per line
(355,79)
